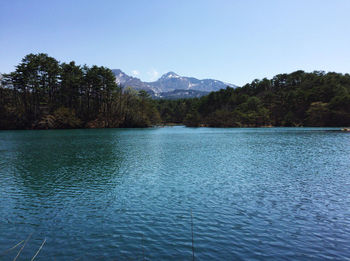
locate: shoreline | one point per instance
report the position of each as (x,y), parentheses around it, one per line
(337,128)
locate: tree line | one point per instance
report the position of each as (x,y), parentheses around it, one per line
(43,93)
(295,99)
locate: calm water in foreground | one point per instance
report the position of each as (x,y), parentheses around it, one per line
(109,194)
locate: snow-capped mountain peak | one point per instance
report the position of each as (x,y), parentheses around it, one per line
(170,75)
(170,82)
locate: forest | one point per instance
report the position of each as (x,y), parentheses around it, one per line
(43,93)
(292,100)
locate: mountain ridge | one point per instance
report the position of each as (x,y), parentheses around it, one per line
(172,82)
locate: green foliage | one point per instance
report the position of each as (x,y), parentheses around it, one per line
(318,114)
(42,93)
(192,119)
(223,118)
(296,99)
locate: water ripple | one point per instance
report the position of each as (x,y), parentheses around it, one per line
(255,194)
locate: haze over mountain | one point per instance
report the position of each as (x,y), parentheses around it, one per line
(172,85)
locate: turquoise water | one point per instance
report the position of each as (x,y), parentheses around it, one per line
(109,194)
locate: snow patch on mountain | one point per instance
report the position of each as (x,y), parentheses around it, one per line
(170,82)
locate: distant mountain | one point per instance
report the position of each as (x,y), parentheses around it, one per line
(126,80)
(172,85)
(172,81)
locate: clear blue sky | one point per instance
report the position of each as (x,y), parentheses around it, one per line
(235,41)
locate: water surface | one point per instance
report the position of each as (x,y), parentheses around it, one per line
(109,194)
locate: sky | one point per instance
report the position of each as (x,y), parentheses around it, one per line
(235,41)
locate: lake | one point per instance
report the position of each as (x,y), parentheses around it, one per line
(127,194)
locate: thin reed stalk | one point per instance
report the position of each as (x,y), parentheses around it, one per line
(19,252)
(38,250)
(192,236)
(8,250)
(143,250)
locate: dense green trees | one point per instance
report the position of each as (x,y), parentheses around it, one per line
(43,93)
(296,99)
(175,111)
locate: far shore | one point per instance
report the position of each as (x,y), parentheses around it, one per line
(341,129)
